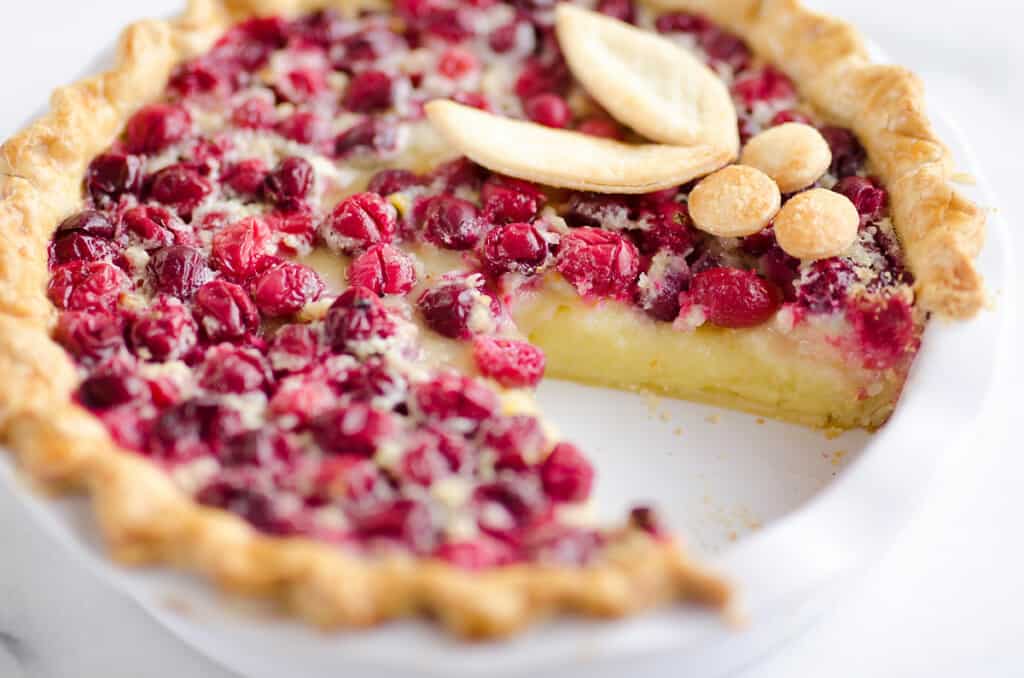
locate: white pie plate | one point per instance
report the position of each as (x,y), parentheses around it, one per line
(788,514)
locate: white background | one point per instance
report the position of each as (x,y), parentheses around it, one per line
(948,599)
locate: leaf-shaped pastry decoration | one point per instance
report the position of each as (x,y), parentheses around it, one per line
(567,159)
(646,81)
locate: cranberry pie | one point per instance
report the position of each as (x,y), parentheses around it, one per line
(276,288)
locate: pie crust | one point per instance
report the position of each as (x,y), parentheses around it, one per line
(146,519)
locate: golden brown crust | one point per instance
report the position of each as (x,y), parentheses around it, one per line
(143,515)
(941,231)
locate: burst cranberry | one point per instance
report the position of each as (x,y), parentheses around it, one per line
(383,269)
(506,199)
(293,348)
(192,428)
(352,479)
(299,400)
(600,127)
(179,186)
(725,48)
(848,155)
(264,447)
(178,270)
(164,331)
(86,286)
(367,45)
(403,520)
(448,307)
(508,37)
(549,110)
(450,395)
(598,263)
(866,196)
(302,85)
(483,552)
(355,316)
(357,222)
(825,286)
(155,127)
(423,462)
(789,115)
(453,223)
(519,441)
(374,136)
(303,127)
(734,298)
(759,243)
(456,63)
(231,493)
(781,269)
(681,22)
(512,363)
(388,181)
(669,227)
(666,277)
(566,474)
(227,368)
(768,85)
(224,311)
(237,248)
(593,209)
(518,248)
(254,113)
(284,288)
(353,429)
(508,507)
(288,185)
(74,246)
(540,78)
(112,175)
(90,337)
(250,43)
(369,91)
(109,388)
(245,177)
(885,328)
(156,227)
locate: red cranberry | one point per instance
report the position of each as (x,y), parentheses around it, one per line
(566,474)
(369,91)
(623,10)
(453,223)
(156,227)
(245,177)
(848,155)
(789,115)
(450,395)
(155,127)
(288,185)
(77,246)
(681,22)
(519,441)
(90,337)
(250,43)
(254,113)
(666,277)
(781,269)
(357,428)
(459,173)
(508,507)
(388,181)
(301,85)
(517,247)
(456,63)
(237,248)
(300,399)
(768,85)
(303,127)
(383,269)
(403,520)
(505,38)
(481,553)
(179,186)
(192,428)
(284,288)
(512,363)
(264,447)
(227,368)
(200,77)
(825,286)
(506,199)
(600,127)
(351,479)
(434,18)
(112,175)
(540,78)
(866,196)
(357,222)
(367,45)
(669,227)
(293,348)
(178,270)
(723,47)
(549,110)
(224,311)
(86,286)
(598,263)
(734,298)
(593,209)
(355,316)
(374,137)
(109,388)
(885,328)
(423,463)
(759,243)
(254,506)
(447,308)
(164,331)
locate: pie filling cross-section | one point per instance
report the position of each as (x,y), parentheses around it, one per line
(289,291)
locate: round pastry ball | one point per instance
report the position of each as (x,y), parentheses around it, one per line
(734,201)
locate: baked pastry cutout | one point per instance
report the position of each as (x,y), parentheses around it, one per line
(793,154)
(252,305)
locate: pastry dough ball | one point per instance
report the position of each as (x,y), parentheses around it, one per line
(734,202)
(793,154)
(817,224)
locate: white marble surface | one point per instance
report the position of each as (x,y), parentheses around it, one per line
(944,602)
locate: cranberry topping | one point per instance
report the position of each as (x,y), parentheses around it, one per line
(404,520)
(227,368)
(423,463)
(90,337)
(885,328)
(447,308)
(180,186)
(250,43)
(155,127)
(237,249)
(164,331)
(369,91)
(374,136)
(356,428)
(669,227)
(519,441)
(781,269)
(86,286)
(623,10)
(848,155)
(506,199)
(193,428)
(598,263)
(303,127)
(517,247)
(789,115)
(224,311)
(245,177)
(866,196)
(454,396)
(293,348)
(156,227)
(178,270)
(681,22)
(825,285)
(265,447)
(77,246)
(299,399)
(288,184)
(284,288)
(667,276)
(357,222)
(356,316)
(367,45)
(566,474)
(549,110)
(388,181)
(112,175)
(478,554)
(456,63)
(725,48)
(383,269)
(108,388)
(600,127)
(768,85)
(254,113)
(201,77)
(540,78)
(512,363)
(734,298)
(453,223)
(509,507)
(256,507)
